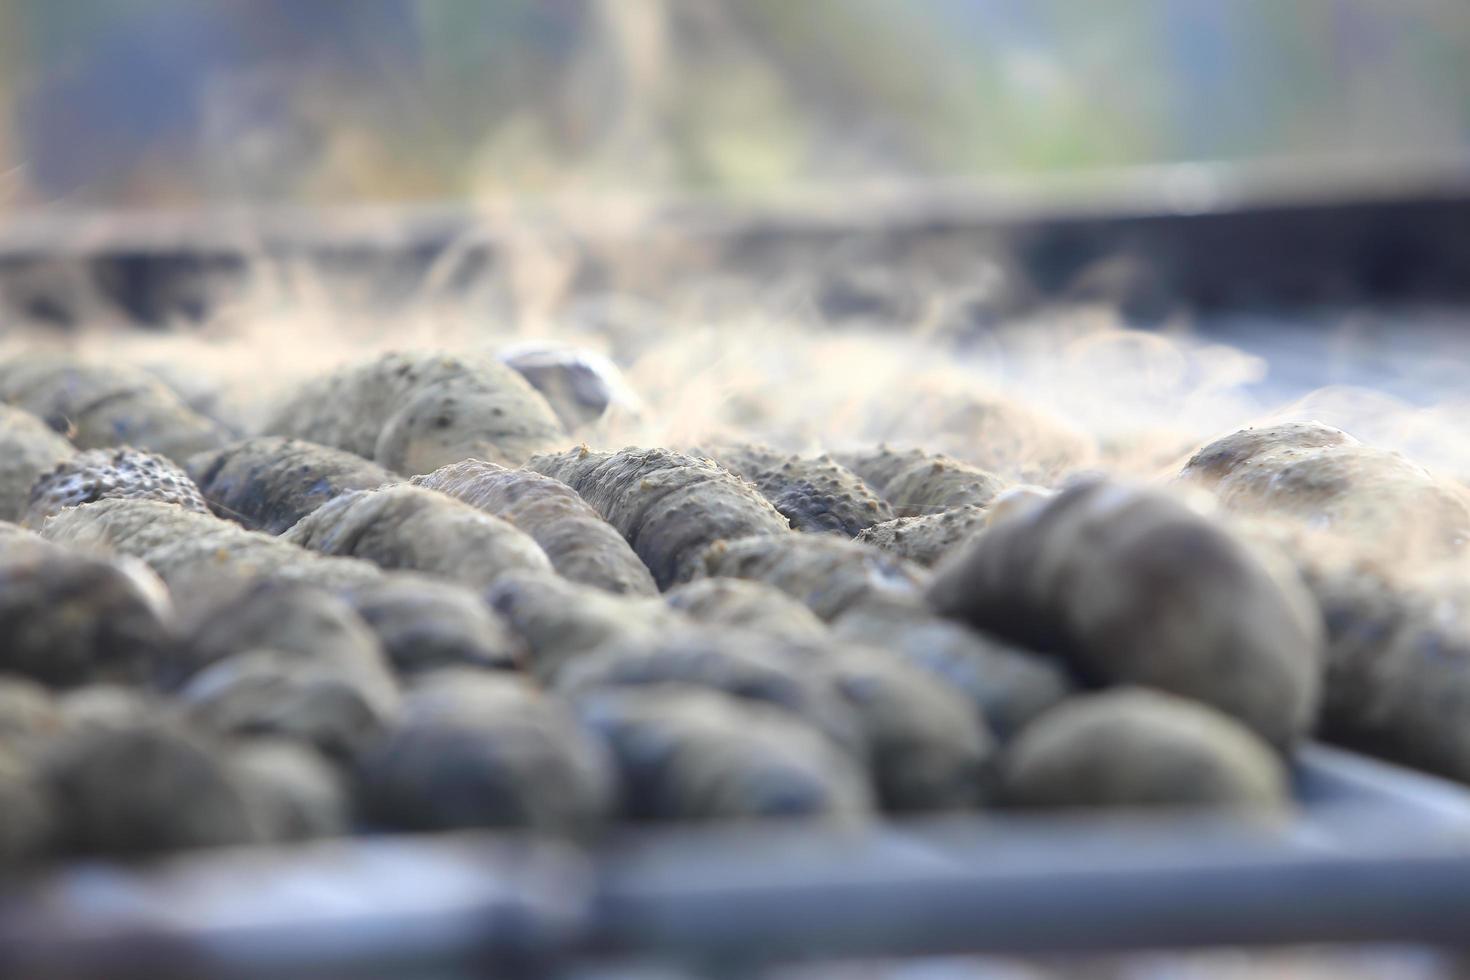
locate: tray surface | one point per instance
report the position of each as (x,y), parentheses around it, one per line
(1375,854)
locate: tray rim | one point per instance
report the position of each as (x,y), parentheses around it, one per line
(1382,857)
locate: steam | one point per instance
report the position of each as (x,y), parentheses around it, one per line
(1034,397)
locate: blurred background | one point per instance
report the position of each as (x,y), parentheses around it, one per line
(176,103)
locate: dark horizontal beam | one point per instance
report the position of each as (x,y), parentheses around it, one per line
(1152,240)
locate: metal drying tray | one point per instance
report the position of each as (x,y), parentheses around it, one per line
(1375,853)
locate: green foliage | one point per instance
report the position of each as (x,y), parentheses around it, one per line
(746,95)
